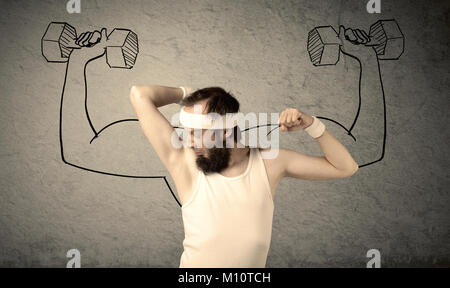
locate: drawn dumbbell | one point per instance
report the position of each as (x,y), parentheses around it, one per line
(59,39)
(385,36)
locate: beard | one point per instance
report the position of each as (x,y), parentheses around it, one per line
(216,161)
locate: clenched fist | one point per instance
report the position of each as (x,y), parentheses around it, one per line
(92,45)
(292,119)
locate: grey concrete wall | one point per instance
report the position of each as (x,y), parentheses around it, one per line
(257,50)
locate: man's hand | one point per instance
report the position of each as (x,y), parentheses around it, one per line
(92,45)
(356,43)
(292,119)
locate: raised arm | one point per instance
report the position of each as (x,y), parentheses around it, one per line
(336,162)
(369,124)
(159,132)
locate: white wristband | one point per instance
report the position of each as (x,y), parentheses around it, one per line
(316,129)
(186,91)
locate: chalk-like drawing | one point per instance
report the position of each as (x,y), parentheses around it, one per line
(121,49)
(385,40)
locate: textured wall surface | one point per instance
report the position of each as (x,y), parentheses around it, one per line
(256,50)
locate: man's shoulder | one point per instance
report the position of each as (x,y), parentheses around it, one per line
(274,165)
(271,154)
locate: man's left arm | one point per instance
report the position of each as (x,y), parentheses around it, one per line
(336,162)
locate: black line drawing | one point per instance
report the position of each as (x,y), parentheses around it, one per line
(57,44)
(60,39)
(385,37)
(324,47)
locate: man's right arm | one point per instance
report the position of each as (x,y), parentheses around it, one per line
(157,129)
(160,133)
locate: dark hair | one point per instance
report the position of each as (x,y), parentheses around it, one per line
(219,101)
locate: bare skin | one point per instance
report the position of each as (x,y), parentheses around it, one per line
(337,162)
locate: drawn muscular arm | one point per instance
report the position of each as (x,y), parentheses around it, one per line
(369,125)
(119,150)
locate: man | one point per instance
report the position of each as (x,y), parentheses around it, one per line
(226,192)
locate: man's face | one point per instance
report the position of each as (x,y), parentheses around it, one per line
(209,160)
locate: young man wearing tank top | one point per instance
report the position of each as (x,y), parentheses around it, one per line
(227,192)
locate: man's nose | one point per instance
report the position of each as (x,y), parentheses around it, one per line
(190,141)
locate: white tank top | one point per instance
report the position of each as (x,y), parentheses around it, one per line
(228,220)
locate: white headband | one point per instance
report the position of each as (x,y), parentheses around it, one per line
(208,121)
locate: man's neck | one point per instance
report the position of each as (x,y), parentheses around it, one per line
(238,155)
